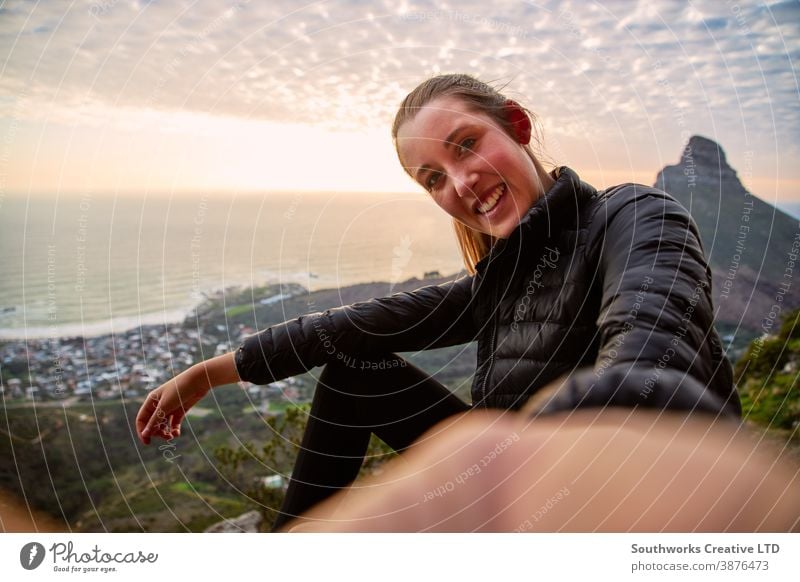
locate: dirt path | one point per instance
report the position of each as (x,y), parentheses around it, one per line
(15,517)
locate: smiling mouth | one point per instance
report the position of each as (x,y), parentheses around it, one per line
(492,200)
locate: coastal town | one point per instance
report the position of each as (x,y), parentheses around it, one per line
(126,365)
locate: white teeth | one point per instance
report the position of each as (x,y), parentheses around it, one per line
(492,201)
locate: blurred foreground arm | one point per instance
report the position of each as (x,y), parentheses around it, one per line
(611,471)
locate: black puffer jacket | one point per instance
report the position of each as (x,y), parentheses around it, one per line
(609,291)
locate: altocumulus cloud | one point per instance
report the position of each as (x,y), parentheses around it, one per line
(626,73)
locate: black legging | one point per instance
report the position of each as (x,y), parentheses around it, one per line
(354,398)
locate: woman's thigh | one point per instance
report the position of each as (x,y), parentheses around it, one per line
(385,394)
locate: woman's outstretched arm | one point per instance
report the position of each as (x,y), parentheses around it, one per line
(165,407)
(658,346)
(430,317)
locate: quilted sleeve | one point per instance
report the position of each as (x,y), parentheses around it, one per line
(430,317)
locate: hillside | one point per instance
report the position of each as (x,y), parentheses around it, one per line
(767,376)
(78,458)
(747,240)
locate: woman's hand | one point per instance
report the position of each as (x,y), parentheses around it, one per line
(165,407)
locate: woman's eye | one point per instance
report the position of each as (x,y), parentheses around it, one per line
(432,180)
(466,145)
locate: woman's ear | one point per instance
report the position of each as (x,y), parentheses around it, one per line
(519,121)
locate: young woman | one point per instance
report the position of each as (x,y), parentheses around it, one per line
(608,291)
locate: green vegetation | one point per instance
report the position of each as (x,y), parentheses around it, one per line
(83,464)
(767,376)
(237,310)
(242,306)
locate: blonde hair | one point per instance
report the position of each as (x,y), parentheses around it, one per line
(482,98)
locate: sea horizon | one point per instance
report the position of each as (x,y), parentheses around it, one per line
(92,265)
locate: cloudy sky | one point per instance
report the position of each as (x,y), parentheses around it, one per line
(114,95)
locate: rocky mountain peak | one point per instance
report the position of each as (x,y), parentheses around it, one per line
(745,239)
(705,152)
(703,164)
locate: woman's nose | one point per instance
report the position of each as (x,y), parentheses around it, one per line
(465,183)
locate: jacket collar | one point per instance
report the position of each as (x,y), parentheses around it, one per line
(560,205)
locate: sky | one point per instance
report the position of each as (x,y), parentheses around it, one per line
(181,96)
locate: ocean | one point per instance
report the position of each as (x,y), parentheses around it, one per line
(790,208)
(93,264)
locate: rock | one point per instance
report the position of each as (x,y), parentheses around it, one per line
(246,523)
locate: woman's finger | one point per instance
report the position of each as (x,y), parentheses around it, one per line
(145,416)
(177,420)
(155,423)
(166,428)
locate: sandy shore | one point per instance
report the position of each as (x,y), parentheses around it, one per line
(15,516)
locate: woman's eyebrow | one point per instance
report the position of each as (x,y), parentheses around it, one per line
(421,170)
(450,139)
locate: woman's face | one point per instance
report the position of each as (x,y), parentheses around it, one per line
(474,170)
